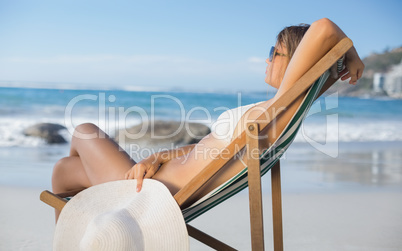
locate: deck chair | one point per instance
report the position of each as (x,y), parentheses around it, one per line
(315,82)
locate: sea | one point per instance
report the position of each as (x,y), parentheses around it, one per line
(331,119)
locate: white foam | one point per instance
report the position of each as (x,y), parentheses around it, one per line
(11,128)
(11,133)
(346,130)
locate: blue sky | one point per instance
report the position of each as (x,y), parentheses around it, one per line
(193,45)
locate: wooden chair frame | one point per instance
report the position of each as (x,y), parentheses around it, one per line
(249,139)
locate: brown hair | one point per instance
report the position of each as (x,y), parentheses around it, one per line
(291,36)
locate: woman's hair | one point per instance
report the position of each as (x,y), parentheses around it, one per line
(291,36)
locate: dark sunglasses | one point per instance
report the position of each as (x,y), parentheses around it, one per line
(273,53)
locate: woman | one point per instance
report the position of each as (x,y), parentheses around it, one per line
(99,160)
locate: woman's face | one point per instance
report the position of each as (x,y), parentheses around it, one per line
(276,69)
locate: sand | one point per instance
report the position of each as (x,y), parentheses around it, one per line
(322,221)
(354,221)
(26,222)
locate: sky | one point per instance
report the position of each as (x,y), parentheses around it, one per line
(206,45)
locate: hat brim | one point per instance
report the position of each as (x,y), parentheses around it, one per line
(154,209)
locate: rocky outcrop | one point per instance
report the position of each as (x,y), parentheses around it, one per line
(157,133)
(47,131)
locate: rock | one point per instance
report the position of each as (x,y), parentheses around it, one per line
(158,132)
(46,131)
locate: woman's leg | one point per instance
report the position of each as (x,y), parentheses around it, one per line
(69,175)
(102,159)
(94,159)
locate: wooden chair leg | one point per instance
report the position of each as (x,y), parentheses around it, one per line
(277,206)
(57,200)
(53,200)
(254,185)
(207,239)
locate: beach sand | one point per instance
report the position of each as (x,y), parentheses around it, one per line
(26,222)
(351,202)
(352,221)
(324,221)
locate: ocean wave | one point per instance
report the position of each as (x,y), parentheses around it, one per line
(355,119)
(11,130)
(11,133)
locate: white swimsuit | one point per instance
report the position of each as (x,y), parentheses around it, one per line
(226,123)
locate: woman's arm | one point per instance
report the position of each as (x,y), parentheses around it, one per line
(318,40)
(147,167)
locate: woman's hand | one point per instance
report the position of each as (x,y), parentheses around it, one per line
(146,168)
(354,67)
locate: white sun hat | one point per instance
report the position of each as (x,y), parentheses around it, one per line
(113,216)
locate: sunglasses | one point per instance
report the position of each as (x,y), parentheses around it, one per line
(273,53)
